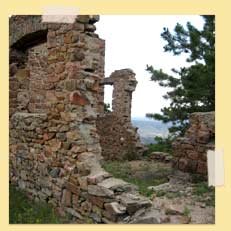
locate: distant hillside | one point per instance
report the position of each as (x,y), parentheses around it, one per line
(149,128)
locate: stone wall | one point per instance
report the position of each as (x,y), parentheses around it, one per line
(55,98)
(64,56)
(59,132)
(23,28)
(190,151)
(52,166)
(119,140)
(28,64)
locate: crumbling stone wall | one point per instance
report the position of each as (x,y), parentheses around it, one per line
(118,138)
(55,98)
(53,166)
(190,151)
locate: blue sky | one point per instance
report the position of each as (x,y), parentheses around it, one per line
(133,41)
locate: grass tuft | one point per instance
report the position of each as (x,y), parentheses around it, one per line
(24,211)
(124,171)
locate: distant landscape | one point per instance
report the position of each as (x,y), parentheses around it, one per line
(149,128)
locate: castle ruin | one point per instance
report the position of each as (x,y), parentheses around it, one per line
(59,132)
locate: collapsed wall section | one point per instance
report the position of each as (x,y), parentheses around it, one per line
(117,141)
(190,151)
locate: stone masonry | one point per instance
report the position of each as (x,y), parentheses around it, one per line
(118,138)
(56,95)
(190,151)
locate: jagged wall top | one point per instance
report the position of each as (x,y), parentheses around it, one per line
(21,25)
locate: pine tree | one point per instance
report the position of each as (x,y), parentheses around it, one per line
(192,88)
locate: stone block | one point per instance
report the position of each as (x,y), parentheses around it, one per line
(95,217)
(96,200)
(192,154)
(83,183)
(183,164)
(83,19)
(153,216)
(75,189)
(100,191)
(98,177)
(78,99)
(77,55)
(202,167)
(115,209)
(117,185)
(22,74)
(73,135)
(74,213)
(55,172)
(55,145)
(133,202)
(66,198)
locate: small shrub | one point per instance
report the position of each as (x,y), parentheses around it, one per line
(202,188)
(160,193)
(186,211)
(171,195)
(211,200)
(161,145)
(107,107)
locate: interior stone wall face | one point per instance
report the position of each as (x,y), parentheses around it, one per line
(37,67)
(190,151)
(56,95)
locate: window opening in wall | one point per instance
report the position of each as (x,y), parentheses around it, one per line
(108,91)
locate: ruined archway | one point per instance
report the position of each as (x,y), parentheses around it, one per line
(28,66)
(55,149)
